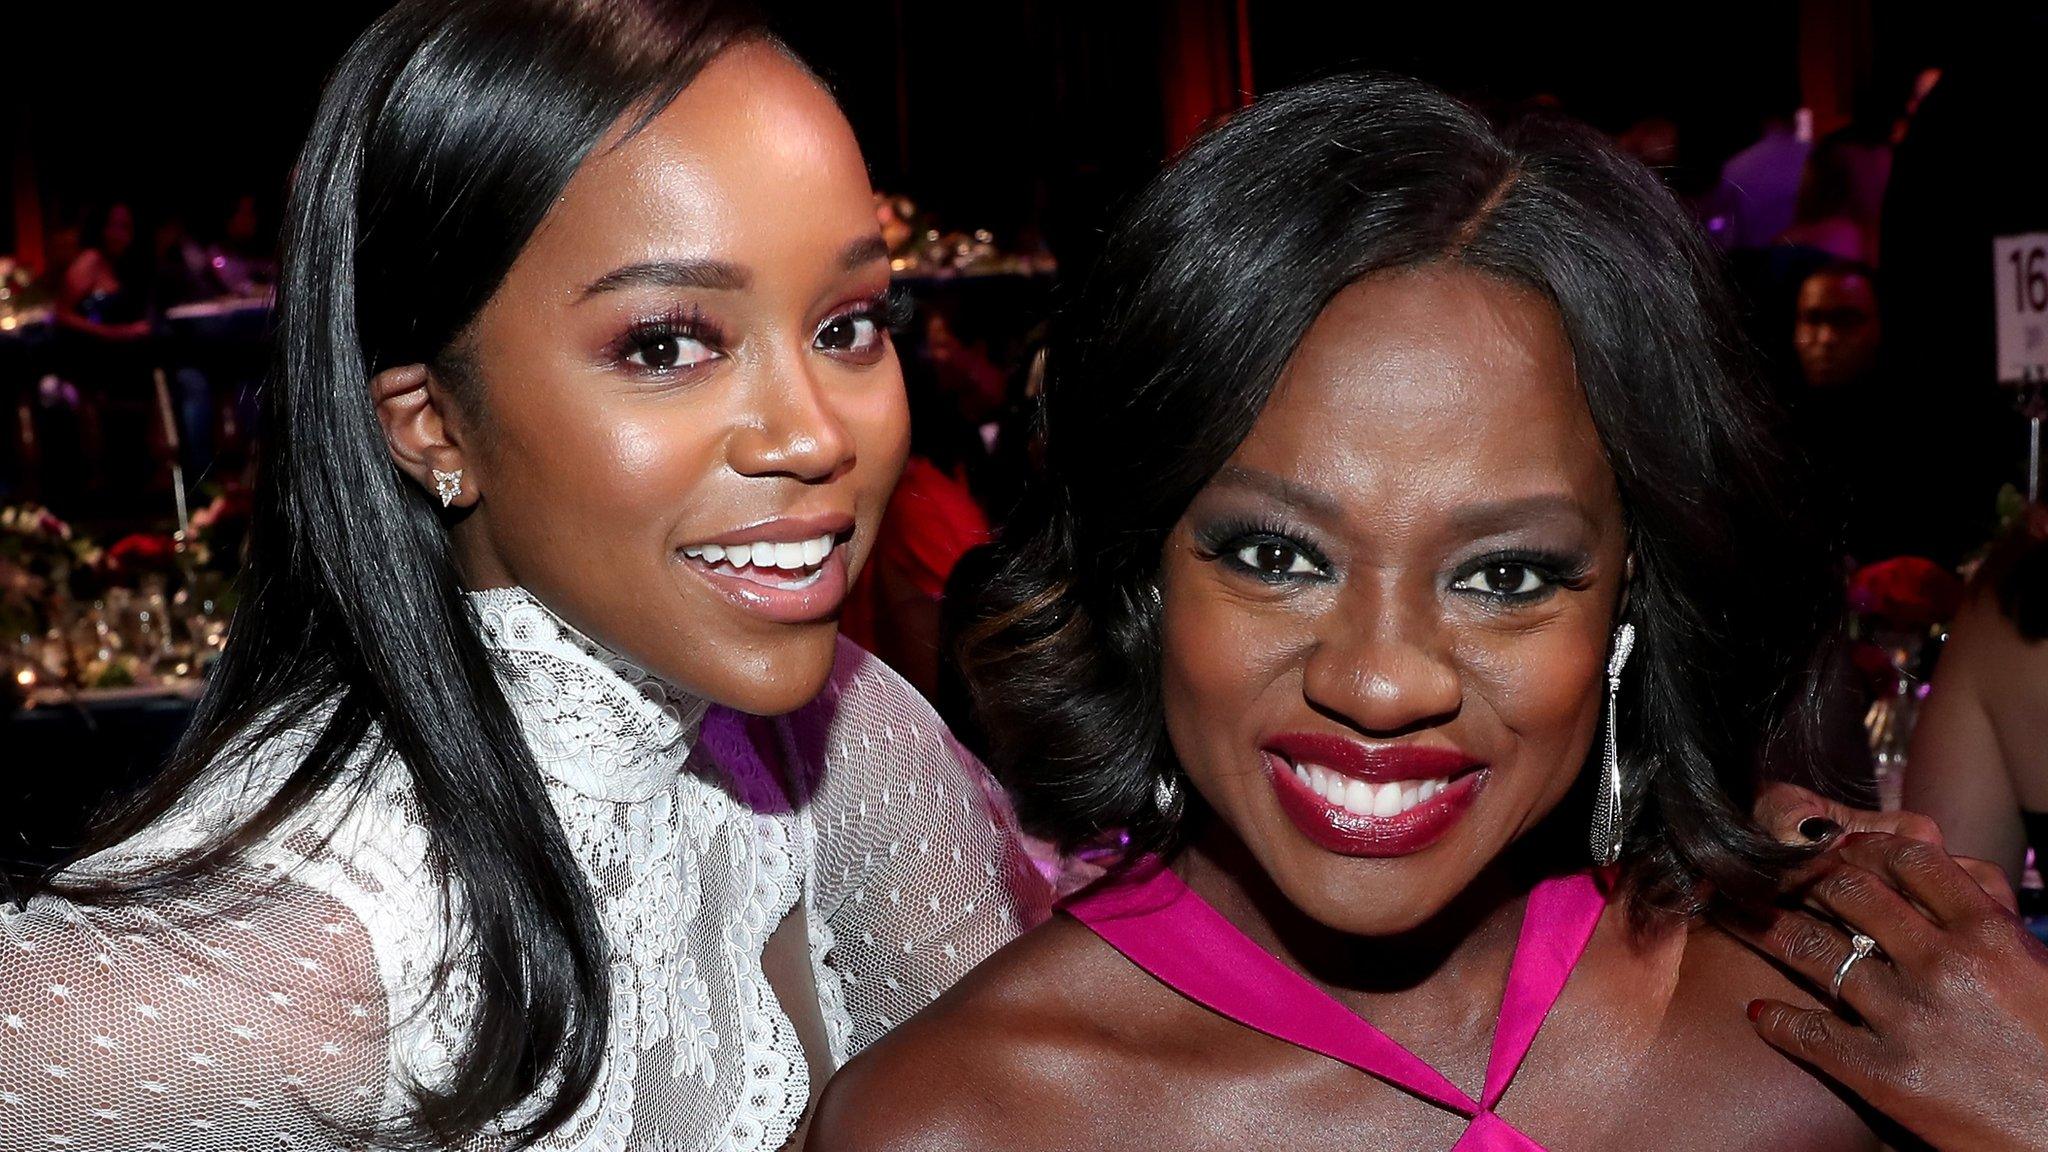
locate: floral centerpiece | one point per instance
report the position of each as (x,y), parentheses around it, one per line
(149,609)
(1901,604)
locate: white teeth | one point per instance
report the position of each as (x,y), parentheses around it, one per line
(1388,801)
(1354,796)
(1364,798)
(767,553)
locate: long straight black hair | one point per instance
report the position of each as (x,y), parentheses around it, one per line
(443,138)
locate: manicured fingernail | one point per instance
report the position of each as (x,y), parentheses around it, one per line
(1756,1009)
(1819,829)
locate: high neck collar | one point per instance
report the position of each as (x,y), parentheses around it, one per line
(596,722)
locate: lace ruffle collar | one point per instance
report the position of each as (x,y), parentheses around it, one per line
(595,721)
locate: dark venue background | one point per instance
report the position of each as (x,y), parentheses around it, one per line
(1032,118)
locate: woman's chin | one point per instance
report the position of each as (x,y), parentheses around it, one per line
(1363,897)
(768,681)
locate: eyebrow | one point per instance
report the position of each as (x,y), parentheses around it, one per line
(1279,488)
(1501,515)
(1472,519)
(715,275)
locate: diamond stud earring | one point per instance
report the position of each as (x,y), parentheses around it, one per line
(448,485)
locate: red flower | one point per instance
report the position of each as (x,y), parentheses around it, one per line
(1906,590)
(141,550)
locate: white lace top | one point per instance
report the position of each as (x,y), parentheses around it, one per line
(298,992)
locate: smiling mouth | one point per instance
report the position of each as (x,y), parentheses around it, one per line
(1363,797)
(1356,798)
(782,565)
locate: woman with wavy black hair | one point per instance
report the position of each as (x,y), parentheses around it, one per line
(1416,577)
(584,417)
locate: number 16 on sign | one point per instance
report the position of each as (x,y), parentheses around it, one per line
(2019,267)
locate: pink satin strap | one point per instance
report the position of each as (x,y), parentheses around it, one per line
(1165,928)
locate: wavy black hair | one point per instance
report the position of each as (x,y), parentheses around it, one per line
(442,140)
(2016,573)
(1165,357)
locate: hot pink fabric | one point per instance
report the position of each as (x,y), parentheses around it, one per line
(1163,927)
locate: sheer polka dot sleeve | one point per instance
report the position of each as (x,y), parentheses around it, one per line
(919,870)
(188,1024)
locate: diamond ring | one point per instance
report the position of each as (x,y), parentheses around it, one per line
(1859,947)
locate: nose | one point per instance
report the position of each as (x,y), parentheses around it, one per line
(1384,666)
(793,428)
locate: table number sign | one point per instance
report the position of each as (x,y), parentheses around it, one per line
(2019,266)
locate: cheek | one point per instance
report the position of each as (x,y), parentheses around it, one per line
(878,418)
(1546,691)
(605,467)
(1223,667)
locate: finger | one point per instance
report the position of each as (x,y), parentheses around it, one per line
(1866,901)
(1930,876)
(1819,1038)
(1782,808)
(1992,879)
(1798,816)
(1814,950)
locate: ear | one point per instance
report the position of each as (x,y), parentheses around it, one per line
(412,407)
(1628,586)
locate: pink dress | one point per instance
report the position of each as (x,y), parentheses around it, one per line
(1163,927)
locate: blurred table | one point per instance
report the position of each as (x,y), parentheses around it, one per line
(26,338)
(68,755)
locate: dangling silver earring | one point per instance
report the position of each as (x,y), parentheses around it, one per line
(1166,793)
(1607,809)
(448,485)
(1157,600)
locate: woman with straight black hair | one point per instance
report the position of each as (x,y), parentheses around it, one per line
(584,416)
(1416,579)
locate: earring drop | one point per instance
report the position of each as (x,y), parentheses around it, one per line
(448,485)
(1165,793)
(1605,841)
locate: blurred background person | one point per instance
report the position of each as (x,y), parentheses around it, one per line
(1759,190)
(101,435)
(1980,752)
(934,516)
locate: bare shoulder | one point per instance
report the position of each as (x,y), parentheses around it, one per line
(1013,1053)
(1720,976)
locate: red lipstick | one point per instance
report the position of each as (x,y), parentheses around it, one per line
(1376,800)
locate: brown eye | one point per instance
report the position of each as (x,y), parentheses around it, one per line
(1507,580)
(1275,558)
(853,332)
(661,350)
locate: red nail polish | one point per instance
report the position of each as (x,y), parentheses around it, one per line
(1756,1009)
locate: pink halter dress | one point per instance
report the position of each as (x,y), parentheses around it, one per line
(1163,927)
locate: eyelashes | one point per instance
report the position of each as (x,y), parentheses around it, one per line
(1523,576)
(670,342)
(1269,551)
(1278,554)
(675,341)
(893,309)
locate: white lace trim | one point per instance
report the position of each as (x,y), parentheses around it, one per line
(595,721)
